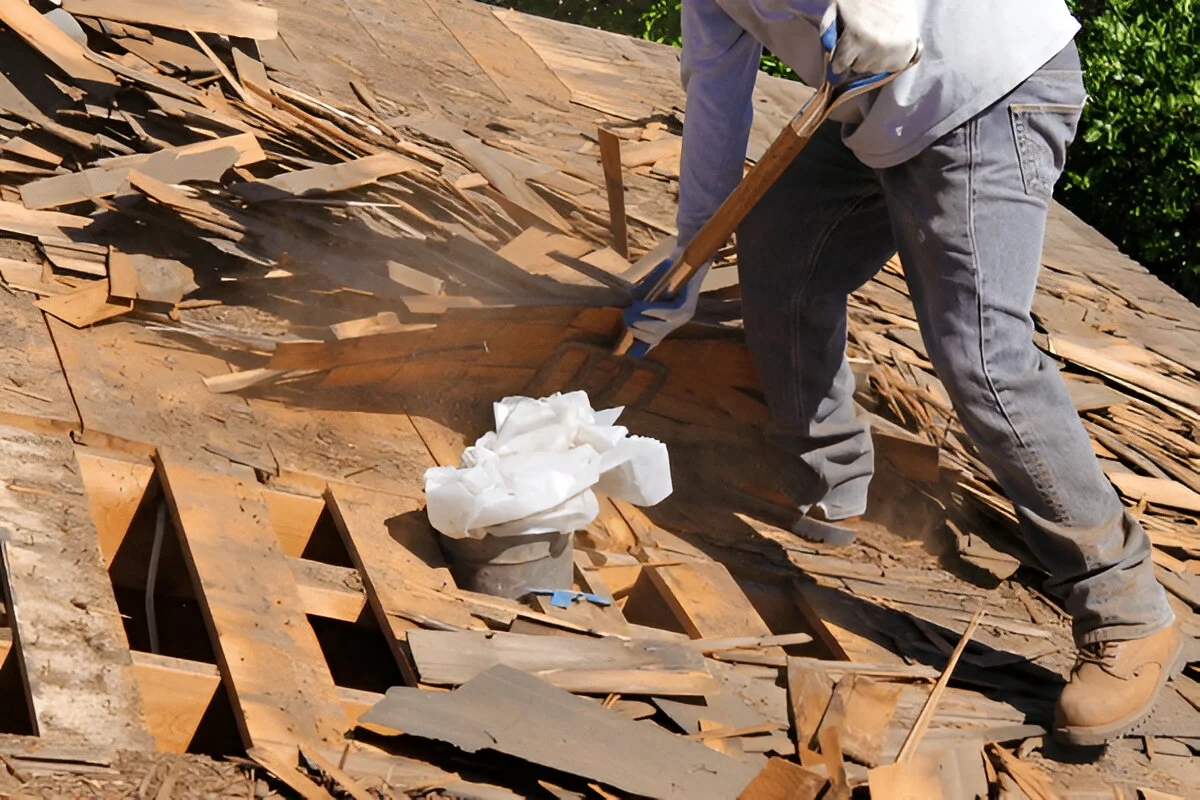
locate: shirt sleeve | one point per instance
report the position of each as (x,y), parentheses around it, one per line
(719,67)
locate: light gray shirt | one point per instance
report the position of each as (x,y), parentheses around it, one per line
(975,52)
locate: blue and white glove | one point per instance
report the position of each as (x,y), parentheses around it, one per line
(651,321)
(877,36)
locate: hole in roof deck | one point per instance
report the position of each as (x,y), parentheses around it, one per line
(357,654)
(326,544)
(16,717)
(180,625)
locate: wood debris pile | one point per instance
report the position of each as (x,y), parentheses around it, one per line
(151,153)
(160,158)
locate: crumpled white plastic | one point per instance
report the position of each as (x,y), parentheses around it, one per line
(538,471)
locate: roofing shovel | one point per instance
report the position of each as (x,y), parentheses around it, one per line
(834,92)
(668,278)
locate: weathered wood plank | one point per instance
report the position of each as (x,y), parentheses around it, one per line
(176,694)
(573,663)
(33,394)
(138,390)
(707,600)
(325,179)
(283,693)
(204,161)
(514,713)
(506,58)
(46,38)
(116,484)
(75,659)
(230,17)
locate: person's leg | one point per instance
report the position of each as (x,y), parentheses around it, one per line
(818,234)
(969,216)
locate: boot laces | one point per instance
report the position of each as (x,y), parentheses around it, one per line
(1102,654)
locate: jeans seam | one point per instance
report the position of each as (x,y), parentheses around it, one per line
(1037,468)
(971,141)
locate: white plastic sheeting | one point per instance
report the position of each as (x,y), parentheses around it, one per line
(538,471)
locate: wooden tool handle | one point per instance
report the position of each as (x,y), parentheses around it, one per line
(787,145)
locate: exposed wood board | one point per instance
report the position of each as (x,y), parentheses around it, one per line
(137,390)
(248,65)
(809,693)
(511,63)
(116,487)
(576,664)
(514,713)
(143,277)
(414,279)
(44,36)
(33,392)
(376,450)
(85,306)
(281,687)
(405,34)
(403,576)
(783,780)
(228,17)
(220,66)
(237,381)
(166,54)
(329,591)
(537,340)
(325,179)
(75,660)
(10,167)
(16,218)
(946,774)
(1104,355)
(1158,491)
(194,209)
(23,147)
(33,278)
(171,166)
(725,709)
(80,257)
(707,601)
(862,710)
(177,693)
(640,154)
(604,71)
(294,518)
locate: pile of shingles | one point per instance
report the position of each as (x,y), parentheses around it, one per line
(151,156)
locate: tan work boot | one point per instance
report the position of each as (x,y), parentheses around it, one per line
(1114,685)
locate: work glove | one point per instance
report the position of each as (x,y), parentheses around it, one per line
(651,321)
(877,36)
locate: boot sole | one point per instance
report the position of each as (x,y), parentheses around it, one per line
(1103,734)
(831,533)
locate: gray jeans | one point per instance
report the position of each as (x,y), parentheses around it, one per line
(968,217)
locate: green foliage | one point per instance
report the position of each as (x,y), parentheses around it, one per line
(1134,170)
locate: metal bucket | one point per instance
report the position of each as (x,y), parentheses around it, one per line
(511,566)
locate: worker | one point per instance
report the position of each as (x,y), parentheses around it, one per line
(952,166)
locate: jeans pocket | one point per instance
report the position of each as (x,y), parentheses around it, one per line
(1042,134)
